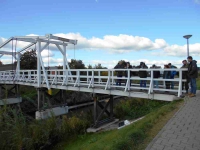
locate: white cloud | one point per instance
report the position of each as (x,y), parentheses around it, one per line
(117,44)
(111,43)
(1,40)
(47,53)
(120,43)
(177,50)
(126,43)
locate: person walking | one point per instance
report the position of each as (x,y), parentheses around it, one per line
(172,74)
(156,75)
(119,73)
(167,75)
(185,76)
(143,74)
(193,74)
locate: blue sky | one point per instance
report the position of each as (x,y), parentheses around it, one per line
(89,19)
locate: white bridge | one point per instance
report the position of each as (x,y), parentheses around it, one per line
(101,81)
(92,80)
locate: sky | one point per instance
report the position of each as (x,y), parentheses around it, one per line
(107,30)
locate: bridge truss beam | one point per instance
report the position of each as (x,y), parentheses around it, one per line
(41,43)
(9,94)
(104,110)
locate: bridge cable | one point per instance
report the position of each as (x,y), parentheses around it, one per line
(15,58)
(48,54)
(74,51)
(12,54)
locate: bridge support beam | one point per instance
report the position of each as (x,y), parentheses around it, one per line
(51,104)
(7,91)
(9,94)
(105,109)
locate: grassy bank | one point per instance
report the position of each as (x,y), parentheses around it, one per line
(19,132)
(134,108)
(130,137)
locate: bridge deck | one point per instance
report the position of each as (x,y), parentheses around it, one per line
(85,80)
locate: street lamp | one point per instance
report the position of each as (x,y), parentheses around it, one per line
(187,37)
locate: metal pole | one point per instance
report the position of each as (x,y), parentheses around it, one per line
(95,108)
(180,84)
(18,63)
(187,47)
(64,60)
(38,64)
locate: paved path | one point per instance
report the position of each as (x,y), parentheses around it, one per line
(182,132)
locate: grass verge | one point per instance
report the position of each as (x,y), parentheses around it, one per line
(136,136)
(198,83)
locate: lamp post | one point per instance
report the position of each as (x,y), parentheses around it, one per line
(187,37)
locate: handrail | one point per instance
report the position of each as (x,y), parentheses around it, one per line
(148,69)
(91,78)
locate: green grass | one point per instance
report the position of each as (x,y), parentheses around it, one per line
(136,107)
(198,83)
(126,138)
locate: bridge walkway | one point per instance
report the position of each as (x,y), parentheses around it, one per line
(93,81)
(182,132)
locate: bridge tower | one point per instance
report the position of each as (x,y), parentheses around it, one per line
(40,43)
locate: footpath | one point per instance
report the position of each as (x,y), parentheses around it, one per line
(182,132)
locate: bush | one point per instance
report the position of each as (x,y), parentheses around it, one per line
(137,137)
(135,108)
(73,126)
(17,133)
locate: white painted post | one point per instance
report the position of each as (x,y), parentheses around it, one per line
(112,77)
(78,77)
(68,69)
(99,76)
(67,77)
(151,83)
(38,64)
(109,79)
(18,63)
(87,77)
(180,83)
(64,60)
(92,78)
(129,80)
(56,77)
(164,85)
(44,71)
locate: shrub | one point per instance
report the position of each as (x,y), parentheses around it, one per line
(135,108)
(73,126)
(17,133)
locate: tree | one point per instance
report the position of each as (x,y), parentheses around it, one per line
(76,64)
(28,60)
(89,66)
(99,66)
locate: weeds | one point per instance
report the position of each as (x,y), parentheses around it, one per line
(17,133)
(135,108)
